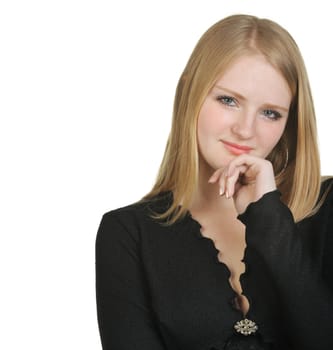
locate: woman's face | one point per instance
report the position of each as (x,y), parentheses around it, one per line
(245,112)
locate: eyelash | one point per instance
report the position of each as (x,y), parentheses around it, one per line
(276,114)
(223,99)
(228,100)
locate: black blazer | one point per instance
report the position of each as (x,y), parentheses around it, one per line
(162,287)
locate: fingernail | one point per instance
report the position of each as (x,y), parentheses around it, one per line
(221,191)
(227,194)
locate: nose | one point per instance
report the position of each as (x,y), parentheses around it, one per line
(244,126)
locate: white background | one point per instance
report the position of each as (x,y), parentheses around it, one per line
(85,104)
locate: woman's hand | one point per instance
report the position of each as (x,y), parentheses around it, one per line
(246,179)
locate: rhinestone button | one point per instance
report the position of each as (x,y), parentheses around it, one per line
(246,327)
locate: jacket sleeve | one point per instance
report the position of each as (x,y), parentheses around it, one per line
(124,317)
(305,297)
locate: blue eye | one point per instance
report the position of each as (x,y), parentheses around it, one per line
(227,100)
(271,114)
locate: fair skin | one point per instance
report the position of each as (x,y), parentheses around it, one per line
(241,121)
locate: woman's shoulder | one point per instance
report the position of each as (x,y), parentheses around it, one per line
(136,213)
(325,218)
(326,181)
(326,191)
(127,225)
(324,204)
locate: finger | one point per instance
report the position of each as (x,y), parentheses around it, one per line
(222,183)
(230,184)
(234,179)
(216,175)
(219,176)
(254,165)
(242,160)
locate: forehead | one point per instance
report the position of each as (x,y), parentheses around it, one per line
(255,78)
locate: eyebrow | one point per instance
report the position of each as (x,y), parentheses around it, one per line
(241,97)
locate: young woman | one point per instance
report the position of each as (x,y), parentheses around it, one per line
(232,247)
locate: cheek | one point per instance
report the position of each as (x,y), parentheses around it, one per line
(270,137)
(212,120)
(205,122)
(205,125)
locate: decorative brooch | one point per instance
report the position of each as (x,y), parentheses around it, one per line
(246,327)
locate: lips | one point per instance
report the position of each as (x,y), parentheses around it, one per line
(236,149)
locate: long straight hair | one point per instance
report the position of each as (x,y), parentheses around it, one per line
(295,158)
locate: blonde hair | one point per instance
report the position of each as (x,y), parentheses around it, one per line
(295,158)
